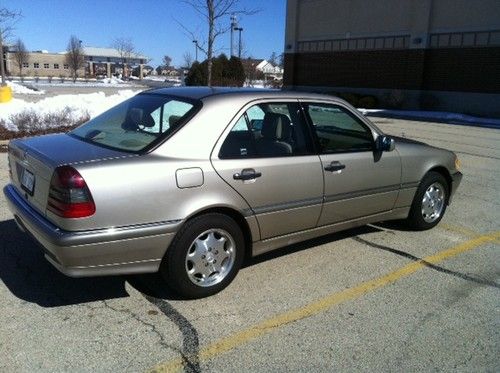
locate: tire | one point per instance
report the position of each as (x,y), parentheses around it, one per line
(430,201)
(204,257)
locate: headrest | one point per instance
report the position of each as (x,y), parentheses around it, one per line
(276,126)
(137,118)
(173,120)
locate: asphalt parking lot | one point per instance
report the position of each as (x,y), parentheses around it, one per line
(376,298)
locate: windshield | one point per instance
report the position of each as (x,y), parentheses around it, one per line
(136,123)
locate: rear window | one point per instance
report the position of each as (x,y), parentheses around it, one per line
(137,123)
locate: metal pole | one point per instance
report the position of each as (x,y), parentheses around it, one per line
(233,25)
(239,29)
(196,49)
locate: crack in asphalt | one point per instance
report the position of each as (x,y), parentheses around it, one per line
(153,327)
(414,258)
(190,340)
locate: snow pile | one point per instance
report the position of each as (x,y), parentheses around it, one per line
(435,115)
(78,106)
(20,89)
(112,80)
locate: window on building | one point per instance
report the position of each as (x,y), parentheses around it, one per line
(66,66)
(45,65)
(36,65)
(26,64)
(56,66)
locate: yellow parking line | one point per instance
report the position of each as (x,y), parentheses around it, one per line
(461,230)
(230,342)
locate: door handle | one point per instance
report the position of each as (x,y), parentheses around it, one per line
(335,166)
(247,174)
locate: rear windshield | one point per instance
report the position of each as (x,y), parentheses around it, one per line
(136,123)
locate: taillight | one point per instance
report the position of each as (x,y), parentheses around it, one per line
(69,195)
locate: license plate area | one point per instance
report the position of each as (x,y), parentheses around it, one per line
(28,181)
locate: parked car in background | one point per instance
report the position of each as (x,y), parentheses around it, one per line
(188,181)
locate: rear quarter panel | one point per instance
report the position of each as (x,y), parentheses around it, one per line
(144,190)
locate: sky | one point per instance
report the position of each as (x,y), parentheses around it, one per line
(152,25)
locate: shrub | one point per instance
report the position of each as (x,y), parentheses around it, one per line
(31,123)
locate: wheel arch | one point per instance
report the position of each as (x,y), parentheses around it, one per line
(237,217)
(446,174)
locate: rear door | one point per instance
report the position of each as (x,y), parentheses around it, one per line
(359,181)
(266,155)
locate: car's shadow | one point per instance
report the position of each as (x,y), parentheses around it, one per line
(29,277)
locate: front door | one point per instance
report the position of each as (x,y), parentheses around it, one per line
(267,157)
(359,181)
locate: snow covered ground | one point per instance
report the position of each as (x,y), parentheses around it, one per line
(56,82)
(441,116)
(78,104)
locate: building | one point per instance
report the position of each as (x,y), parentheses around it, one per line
(260,69)
(100,62)
(435,54)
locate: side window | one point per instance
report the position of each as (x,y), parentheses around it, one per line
(338,130)
(268,130)
(167,116)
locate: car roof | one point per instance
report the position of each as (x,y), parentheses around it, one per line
(199,93)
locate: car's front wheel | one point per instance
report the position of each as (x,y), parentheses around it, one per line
(204,257)
(429,203)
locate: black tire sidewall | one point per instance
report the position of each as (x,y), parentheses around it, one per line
(173,267)
(415,219)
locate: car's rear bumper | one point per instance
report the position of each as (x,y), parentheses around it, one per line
(456,178)
(111,251)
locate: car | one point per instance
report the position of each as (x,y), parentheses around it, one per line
(189,181)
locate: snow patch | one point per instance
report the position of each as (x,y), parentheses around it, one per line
(79,105)
(21,89)
(435,115)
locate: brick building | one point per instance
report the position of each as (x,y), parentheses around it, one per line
(98,62)
(437,54)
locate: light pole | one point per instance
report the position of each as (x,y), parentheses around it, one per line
(234,23)
(196,49)
(239,29)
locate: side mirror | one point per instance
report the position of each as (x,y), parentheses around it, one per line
(385,144)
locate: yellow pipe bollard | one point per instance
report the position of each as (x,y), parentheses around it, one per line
(5,93)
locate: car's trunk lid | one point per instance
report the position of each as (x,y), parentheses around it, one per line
(33,160)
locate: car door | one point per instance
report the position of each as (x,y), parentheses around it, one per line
(359,180)
(267,156)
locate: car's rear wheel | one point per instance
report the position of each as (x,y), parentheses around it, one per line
(429,203)
(204,257)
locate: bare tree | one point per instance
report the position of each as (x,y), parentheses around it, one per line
(167,60)
(21,55)
(214,12)
(188,60)
(7,20)
(74,56)
(126,50)
(273,59)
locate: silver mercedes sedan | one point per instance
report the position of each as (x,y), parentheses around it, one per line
(189,181)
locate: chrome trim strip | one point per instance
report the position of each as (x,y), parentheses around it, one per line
(413,184)
(283,206)
(30,218)
(361,193)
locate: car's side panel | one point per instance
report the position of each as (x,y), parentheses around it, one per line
(264,246)
(286,197)
(369,184)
